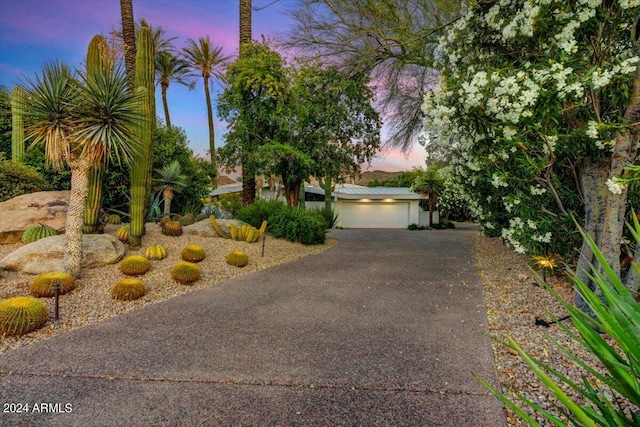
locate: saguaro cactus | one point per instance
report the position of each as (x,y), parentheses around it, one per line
(96,60)
(143,160)
(17,124)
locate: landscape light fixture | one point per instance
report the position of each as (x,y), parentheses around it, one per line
(56,293)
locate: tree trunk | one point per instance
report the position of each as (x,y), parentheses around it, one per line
(73,226)
(248,175)
(212,143)
(129,41)
(168,197)
(292,193)
(165,104)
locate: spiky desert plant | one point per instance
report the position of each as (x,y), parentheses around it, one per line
(172,228)
(237,258)
(170,180)
(128,289)
(135,265)
(97,61)
(217,228)
(176,217)
(193,253)
(36,232)
(185,272)
(201,216)
(143,160)
(18,99)
(156,252)
(21,315)
(42,285)
(114,219)
(122,233)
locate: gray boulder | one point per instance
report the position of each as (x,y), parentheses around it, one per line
(205,229)
(44,207)
(48,254)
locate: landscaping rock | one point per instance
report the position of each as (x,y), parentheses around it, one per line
(205,229)
(44,207)
(47,254)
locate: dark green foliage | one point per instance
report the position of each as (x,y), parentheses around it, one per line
(5,122)
(260,210)
(17,179)
(443,225)
(57,180)
(413,226)
(36,232)
(230,202)
(329,216)
(298,225)
(403,179)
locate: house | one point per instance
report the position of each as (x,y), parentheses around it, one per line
(372,207)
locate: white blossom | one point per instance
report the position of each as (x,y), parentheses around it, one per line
(615,186)
(592,129)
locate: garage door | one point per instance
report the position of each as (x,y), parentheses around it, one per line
(374,215)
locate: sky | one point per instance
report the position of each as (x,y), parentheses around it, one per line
(35,32)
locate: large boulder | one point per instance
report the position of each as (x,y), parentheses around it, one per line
(48,254)
(44,207)
(205,229)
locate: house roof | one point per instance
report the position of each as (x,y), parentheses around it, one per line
(224,189)
(354,192)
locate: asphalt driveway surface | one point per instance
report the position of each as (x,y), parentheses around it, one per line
(386,328)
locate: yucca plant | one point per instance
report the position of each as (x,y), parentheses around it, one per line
(170,180)
(616,316)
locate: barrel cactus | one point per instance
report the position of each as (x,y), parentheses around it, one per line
(193,253)
(21,315)
(237,258)
(187,220)
(164,219)
(135,265)
(122,233)
(156,252)
(36,232)
(185,272)
(128,289)
(176,217)
(172,228)
(42,286)
(114,219)
(201,216)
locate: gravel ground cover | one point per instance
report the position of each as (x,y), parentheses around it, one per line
(91,301)
(514,300)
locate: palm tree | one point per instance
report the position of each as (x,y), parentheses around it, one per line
(170,68)
(248,179)
(129,40)
(80,122)
(431,184)
(206,61)
(170,180)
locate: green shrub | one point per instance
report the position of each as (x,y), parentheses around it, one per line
(17,179)
(230,202)
(260,210)
(328,215)
(298,225)
(413,226)
(442,225)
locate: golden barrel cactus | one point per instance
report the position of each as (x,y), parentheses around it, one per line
(193,253)
(128,289)
(135,265)
(185,272)
(157,252)
(21,315)
(42,285)
(237,258)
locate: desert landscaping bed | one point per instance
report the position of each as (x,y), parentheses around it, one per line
(91,301)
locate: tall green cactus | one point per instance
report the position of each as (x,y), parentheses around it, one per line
(143,160)
(96,61)
(17,124)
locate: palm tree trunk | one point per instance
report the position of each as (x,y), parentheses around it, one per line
(165,105)
(73,227)
(129,39)
(248,178)
(168,197)
(212,143)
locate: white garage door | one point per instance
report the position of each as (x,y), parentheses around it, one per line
(374,215)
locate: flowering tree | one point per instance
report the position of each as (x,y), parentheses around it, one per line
(539,102)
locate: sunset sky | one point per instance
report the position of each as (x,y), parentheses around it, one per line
(34,32)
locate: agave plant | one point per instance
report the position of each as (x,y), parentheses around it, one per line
(616,316)
(80,121)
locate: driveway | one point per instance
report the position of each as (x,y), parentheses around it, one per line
(385,328)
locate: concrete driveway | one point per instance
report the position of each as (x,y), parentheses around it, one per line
(384,329)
